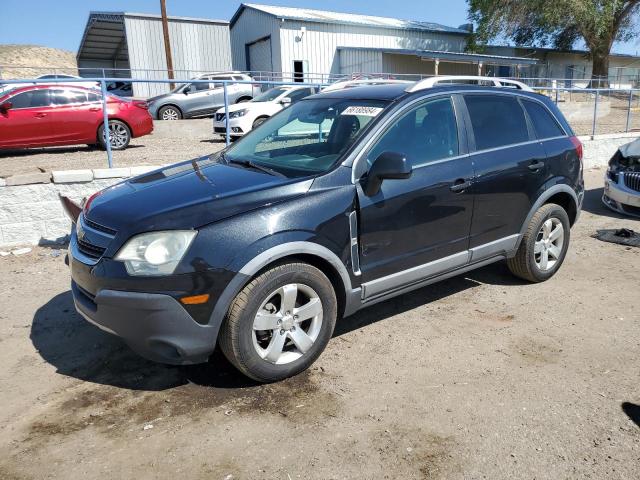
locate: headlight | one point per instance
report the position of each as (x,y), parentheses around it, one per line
(155,253)
(239,113)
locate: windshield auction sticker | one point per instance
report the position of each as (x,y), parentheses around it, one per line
(362,111)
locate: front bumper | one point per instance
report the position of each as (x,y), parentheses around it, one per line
(621,198)
(237,127)
(154,325)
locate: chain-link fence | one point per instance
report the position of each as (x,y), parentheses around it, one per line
(188,119)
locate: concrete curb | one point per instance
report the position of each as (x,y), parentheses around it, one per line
(75,176)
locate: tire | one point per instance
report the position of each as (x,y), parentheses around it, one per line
(120,135)
(244,100)
(256,353)
(258,121)
(529,261)
(169,112)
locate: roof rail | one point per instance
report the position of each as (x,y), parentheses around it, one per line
(468,79)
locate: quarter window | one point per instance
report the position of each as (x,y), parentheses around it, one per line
(543,123)
(31,99)
(425,134)
(497,120)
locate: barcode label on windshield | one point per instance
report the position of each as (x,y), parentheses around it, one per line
(362,111)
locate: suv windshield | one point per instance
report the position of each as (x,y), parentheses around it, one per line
(307,138)
(270,95)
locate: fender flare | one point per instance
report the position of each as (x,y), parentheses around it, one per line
(546,195)
(265,258)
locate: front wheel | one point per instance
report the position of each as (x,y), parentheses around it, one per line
(119,135)
(280,322)
(169,113)
(543,246)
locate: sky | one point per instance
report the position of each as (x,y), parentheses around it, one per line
(60,23)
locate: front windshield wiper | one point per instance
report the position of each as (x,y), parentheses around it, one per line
(255,166)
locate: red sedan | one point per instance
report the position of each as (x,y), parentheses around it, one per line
(46,115)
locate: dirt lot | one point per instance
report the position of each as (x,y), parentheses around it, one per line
(480,376)
(170,142)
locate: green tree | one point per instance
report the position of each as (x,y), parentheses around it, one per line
(558,23)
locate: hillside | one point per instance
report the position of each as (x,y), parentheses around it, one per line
(14,59)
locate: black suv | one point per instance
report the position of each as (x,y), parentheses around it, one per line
(341,201)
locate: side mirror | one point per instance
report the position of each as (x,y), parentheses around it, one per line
(388,165)
(285,102)
(187,89)
(5,107)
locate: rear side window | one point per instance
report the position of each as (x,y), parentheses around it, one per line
(31,99)
(497,120)
(543,122)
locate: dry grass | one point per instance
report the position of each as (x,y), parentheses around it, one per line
(42,59)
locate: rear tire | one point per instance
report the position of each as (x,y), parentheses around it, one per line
(119,133)
(169,112)
(543,246)
(296,305)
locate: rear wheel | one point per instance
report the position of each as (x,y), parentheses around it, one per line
(280,322)
(543,246)
(169,112)
(119,135)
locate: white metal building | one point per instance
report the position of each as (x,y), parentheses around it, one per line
(132,45)
(299,42)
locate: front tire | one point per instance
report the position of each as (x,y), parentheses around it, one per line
(543,246)
(258,121)
(280,323)
(119,135)
(169,112)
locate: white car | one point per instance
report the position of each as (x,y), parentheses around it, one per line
(243,117)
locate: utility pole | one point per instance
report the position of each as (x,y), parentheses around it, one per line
(167,44)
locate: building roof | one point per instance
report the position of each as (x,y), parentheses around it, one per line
(323,16)
(104,35)
(453,56)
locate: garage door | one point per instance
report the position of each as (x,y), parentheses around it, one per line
(260,56)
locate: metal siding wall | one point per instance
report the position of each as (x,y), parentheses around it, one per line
(320,41)
(251,26)
(195,47)
(360,61)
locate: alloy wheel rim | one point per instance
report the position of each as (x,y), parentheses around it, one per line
(118,135)
(549,243)
(169,114)
(287,323)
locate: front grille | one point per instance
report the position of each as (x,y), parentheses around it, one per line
(219,130)
(90,250)
(97,226)
(632,180)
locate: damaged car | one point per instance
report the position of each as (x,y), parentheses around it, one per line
(622,180)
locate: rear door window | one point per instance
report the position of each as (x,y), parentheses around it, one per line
(31,99)
(543,122)
(497,120)
(67,97)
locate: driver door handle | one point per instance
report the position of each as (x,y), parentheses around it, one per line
(460,185)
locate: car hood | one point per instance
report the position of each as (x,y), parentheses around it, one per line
(251,106)
(158,98)
(188,195)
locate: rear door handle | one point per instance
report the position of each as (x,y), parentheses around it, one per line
(40,115)
(95,109)
(460,185)
(536,166)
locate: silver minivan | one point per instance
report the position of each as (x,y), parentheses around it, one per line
(190,100)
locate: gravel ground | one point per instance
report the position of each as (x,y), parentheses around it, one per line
(170,142)
(480,376)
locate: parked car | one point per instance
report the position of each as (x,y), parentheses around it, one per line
(262,247)
(122,89)
(44,116)
(202,99)
(622,180)
(55,76)
(243,117)
(364,82)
